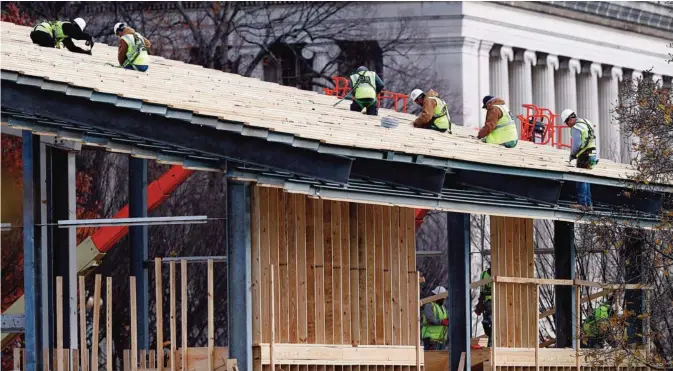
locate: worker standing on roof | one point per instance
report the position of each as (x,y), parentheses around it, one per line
(484,305)
(584,150)
(596,325)
(53,34)
(435,114)
(133,48)
(365,86)
(435,323)
(500,126)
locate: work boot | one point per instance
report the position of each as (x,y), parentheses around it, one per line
(582,207)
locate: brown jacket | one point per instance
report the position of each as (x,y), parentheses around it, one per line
(123,47)
(424,119)
(492,116)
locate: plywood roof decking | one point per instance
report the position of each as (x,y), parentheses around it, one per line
(280,109)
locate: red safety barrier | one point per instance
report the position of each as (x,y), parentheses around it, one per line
(341,89)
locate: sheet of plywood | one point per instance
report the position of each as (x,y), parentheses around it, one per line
(363,264)
(320,273)
(395,274)
(329,270)
(293,285)
(265,258)
(283,296)
(310,270)
(412,277)
(345,273)
(378,267)
(256,268)
(405,337)
(387,276)
(354,273)
(371,274)
(302,295)
(336,273)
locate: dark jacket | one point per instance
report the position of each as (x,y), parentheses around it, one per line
(72,31)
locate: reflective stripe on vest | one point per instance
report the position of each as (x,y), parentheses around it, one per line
(440,118)
(435,332)
(505,129)
(486,289)
(136,53)
(364,85)
(587,135)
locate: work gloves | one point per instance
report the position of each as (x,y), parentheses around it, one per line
(445,322)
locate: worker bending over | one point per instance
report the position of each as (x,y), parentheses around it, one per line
(584,150)
(434,329)
(484,305)
(365,86)
(133,47)
(53,34)
(596,325)
(500,126)
(435,114)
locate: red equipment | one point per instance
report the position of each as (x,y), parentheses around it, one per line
(341,89)
(538,126)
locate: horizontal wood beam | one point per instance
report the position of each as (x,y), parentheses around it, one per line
(327,354)
(551,357)
(584,299)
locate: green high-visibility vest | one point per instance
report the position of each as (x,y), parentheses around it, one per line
(435,332)
(601,314)
(440,118)
(587,135)
(505,129)
(364,85)
(486,289)
(136,53)
(55,29)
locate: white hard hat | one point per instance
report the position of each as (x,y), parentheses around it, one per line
(566,114)
(118,27)
(80,22)
(415,94)
(438,290)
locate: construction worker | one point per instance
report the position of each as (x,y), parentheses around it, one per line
(435,321)
(484,305)
(53,34)
(596,325)
(584,150)
(435,114)
(133,47)
(365,86)
(500,125)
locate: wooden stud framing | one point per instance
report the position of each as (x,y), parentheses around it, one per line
(108,324)
(96,322)
(84,359)
(159,311)
(59,324)
(134,325)
(172,315)
(183,313)
(273,331)
(211,317)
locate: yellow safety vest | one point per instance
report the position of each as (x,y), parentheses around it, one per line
(435,332)
(486,289)
(55,29)
(364,85)
(136,53)
(599,317)
(505,129)
(587,135)
(440,118)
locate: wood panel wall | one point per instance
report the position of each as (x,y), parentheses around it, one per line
(345,272)
(514,305)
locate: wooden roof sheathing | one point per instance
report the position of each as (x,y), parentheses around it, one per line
(304,115)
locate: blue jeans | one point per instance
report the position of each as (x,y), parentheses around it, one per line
(584,189)
(139,68)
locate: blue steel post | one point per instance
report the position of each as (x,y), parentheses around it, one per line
(30,279)
(239,265)
(564,264)
(459,303)
(138,244)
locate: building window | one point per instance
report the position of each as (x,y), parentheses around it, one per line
(354,54)
(289,67)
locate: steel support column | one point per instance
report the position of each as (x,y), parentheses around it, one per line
(459,302)
(564,264)
(31,278)
(634,261)
(239,277)
(138,244)
(60,236)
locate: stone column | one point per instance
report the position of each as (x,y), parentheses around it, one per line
(499,71)
(544,94)
(521,88)
(566,91)
(587,97)
(658,79)
(484,75)
(628,142)
(608,94)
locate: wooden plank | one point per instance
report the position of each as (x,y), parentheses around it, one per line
(412,283)
(96,321)
(283,296)
(363,300)
(395,274)
(265,252)
(211,316)
(255,270)
(272,351)
(183,313)
(59,324)
(494,320)
(379,288)
(127,360)
(274,247)
(17,358)
(405,336)
(153,359)
(310,270)
(578,330)
(338,355)
(511,269)
(159,301)
(532,291)
(354,273)
(82,325)
(172,315)
(337,295)
(302,310)
(293,284)
(345,273)
(319,273)
(461,363)
(518,310)
(387,276)
(143,359)
(134,324)
(75,359)
(329,267)
(537,330)
(418,323)
(371,275)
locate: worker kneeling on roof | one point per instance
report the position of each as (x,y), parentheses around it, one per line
(584,150)
(500,126)
(133,48)
(365,86)
(435,114)
(53,34)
